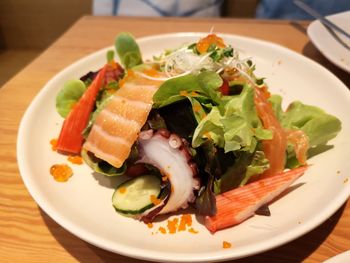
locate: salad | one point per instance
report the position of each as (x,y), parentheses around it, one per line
(191,127)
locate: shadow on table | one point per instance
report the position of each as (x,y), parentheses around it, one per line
(313,53)
(295,251)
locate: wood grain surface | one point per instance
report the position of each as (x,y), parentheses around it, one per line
(27,234)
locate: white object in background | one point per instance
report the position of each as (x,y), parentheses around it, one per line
(207,8)
(341,258)
(336,51)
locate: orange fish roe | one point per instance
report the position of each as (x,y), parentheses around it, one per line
(176,225)
(183,93)
(150,225)
(110,91)
(196,108)
(226,244)
(204,43)
(165,178)
(172,225)
(53,143)
(155,200)
(76,159)
(191,230)
(152,72)
(112,64)
(186,220)
(61,172)
(162,230)
(122,190)
(129,75)
(207,134)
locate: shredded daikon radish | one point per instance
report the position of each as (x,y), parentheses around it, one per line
(185,61)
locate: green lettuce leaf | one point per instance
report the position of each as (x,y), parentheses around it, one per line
(319,126)
(245,166)
(101,166)
(257,166)
(235,126)
(205,84)
(128,50)
(68,96)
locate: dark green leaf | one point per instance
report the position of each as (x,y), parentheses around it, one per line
(206,202)
(181,122)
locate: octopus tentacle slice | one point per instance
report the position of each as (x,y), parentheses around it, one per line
(170,156)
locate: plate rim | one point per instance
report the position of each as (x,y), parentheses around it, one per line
(144,254)
(312,35)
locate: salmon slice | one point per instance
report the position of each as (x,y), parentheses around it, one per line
(138,92)
(237,205)
(128,109)
(300,142)
(103,145)
(118,125)
(115,125)
(274,149)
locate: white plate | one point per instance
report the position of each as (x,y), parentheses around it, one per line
(83,204)
(340,258)
(328,45)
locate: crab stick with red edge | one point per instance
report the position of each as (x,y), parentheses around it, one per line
(237,205)
(71,138)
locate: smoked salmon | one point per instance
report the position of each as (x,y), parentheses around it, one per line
(274,149)
(119,123)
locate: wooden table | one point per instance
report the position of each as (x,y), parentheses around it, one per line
(27,234)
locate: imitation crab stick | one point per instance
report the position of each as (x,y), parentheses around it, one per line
(71,137)
(237,205)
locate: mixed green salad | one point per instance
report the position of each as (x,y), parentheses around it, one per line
(210,130)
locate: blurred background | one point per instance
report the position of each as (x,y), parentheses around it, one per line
(28,27)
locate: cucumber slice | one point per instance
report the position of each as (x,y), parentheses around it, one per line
(134,195)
